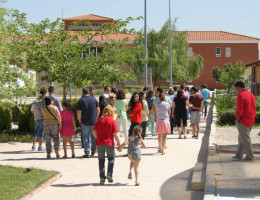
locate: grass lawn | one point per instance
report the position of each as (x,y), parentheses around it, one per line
(15,182)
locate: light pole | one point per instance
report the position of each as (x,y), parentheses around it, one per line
(170,42)
(145,46)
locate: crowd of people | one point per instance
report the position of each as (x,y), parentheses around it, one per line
(101,121)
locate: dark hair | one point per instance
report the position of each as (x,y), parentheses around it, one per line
(171,91)
(105,88)
(159,90)
(240,84)
(145,89)
(43,91)
(91,88)
(48,100)
(51,89)
(175,88)
(180,93)
(195,89)
(149,94)
(113,90)
(132,102)
(67,105)
(120,95)
(85,91)
(162,97)
(141,94)
(182,86)
(204,86)
(102,101)
(137,131)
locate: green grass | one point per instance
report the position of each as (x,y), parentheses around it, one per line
(15,182)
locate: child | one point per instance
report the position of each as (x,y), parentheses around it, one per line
(68,127)
(134,141)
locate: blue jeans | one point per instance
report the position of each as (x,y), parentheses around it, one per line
(206,109)
(87,135)
(110,150)
(152,125)
(38,129)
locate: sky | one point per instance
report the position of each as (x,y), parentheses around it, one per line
(235,16)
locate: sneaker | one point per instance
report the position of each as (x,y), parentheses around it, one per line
(86,156)
(109,178)
(102,181)
(193,136)
(93,153)
(41,149)
(234,158)
(33,148)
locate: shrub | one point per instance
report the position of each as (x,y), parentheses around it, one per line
(5,116)
(25,118)
(226,117)
(225,102)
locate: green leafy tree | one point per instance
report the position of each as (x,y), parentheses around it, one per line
(14,81)
(229,74)
(64,56)
(185,67)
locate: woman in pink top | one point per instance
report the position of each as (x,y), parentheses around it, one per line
(68,127)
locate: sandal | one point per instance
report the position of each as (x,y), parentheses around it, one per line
(65,156)
(160,150)
(48,156)
(130,176)
(73,156)
(57,155)
(137,184)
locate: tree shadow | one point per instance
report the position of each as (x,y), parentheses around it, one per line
(70,185)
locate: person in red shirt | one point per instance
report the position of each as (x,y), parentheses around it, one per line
(245,119)
(105,131)
(136,108)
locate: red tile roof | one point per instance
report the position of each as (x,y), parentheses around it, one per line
(216,35)
(90,17)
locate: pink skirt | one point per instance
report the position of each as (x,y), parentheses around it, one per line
(163,127)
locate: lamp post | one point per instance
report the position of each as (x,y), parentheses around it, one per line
(145,46)
(170,42)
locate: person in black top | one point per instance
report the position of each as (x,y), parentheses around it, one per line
(179,112)
(102,104)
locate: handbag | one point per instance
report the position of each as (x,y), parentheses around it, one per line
(53,116)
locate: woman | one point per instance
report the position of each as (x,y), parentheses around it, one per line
(51,125)
(150,97)
(121,108)
(179,112)
(162,113)
(136,108)
(102,104)
(145,114)
(105,131)
(112,103)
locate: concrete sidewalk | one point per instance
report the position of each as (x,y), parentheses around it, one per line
(161,176)
(227,179)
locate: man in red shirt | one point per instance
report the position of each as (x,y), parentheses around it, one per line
(245,119)
(196,108)
(105,131)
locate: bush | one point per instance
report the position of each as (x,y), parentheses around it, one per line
(224,102)
(25,119)
(226,117)
(5,116)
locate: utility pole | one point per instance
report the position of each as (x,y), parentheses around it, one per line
(170,41)
(145,45)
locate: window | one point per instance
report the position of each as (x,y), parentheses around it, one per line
(218,52)
(228,52)
(92,51)
(190,51)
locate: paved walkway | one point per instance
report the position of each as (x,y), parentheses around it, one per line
(161,176)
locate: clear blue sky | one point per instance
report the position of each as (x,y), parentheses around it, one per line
(237,16)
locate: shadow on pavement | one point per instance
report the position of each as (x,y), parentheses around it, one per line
(20,152)
(178,187)
(89,184)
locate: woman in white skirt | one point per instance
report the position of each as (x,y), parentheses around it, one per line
(162,112)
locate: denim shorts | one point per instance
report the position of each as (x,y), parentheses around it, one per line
(38,129)
(194,117)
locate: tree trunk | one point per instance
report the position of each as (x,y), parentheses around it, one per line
(154,82)
(151,78)
(64,91)
(228,90)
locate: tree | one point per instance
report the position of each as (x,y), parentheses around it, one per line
(185,67)
(229,74)
(65,56)
(14,81)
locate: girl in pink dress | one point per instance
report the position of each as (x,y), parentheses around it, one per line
(68,127)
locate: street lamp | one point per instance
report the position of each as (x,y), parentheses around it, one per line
(145,46)
(170,42)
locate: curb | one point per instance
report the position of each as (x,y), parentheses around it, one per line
(41,187)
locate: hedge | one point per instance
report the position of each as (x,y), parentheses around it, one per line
(5,116)
(25,119)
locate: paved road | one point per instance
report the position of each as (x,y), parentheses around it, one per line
(161,176)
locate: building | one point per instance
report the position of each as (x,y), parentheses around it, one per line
(216,47)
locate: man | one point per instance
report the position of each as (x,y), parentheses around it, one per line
(57,102)
(106,92)
(38,119)
(92,91)
(187,96)
(245,119)
(205,94)
(87,113)
(196,101)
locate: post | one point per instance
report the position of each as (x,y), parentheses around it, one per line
(145,46)
(170,42)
